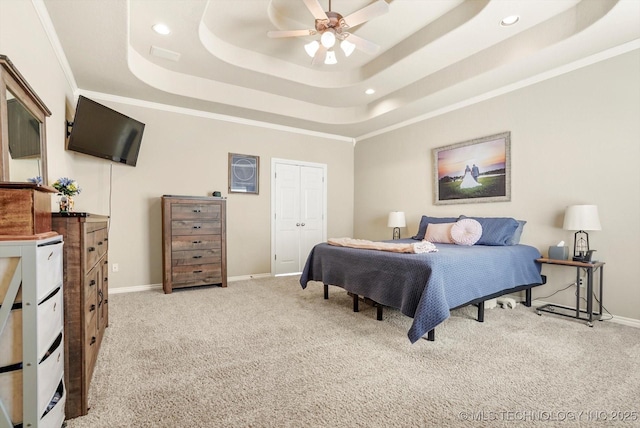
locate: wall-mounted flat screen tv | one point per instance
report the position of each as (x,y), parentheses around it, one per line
(100,131)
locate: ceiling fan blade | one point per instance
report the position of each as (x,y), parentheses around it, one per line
(320,55)
(316,9)
(374,10)
(290,33)
(362,44)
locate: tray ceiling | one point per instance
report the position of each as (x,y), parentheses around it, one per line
(434,55)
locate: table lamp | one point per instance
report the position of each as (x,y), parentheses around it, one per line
(581,218)
(396,220)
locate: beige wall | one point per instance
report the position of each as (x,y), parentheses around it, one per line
(188,155)
(574,139)
(180,154)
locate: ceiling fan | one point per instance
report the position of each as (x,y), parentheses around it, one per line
(332,26)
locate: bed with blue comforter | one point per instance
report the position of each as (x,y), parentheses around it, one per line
(425,286)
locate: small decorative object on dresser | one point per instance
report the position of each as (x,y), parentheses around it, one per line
(194,247)
(68,188)
(86,298)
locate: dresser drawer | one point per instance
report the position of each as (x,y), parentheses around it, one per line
(196,257)
(96,247)
(55,417)
(50,373)
(186,242)
(90,344)
(50,320)
(195,211)
(189,227)
(197,274)
(49,272)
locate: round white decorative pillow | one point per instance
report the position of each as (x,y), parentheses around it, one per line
(466,231)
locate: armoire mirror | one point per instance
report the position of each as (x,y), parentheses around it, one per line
(23,146)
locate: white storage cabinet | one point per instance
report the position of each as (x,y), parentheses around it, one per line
(32,390)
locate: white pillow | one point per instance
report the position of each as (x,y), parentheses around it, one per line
(437,232)
(466,231)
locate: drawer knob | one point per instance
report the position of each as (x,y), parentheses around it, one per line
(197,210)
(197,271)
(92,282)
(93,340)
(92,308)
(91,249)
(196,242)
(197,257)
(100,243)
(197,227)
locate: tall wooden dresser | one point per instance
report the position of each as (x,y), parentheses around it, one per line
(194,247)
(86,298)
(32,354)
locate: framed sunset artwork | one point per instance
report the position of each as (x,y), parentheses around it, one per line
(473,171)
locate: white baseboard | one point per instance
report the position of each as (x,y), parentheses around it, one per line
(136,288)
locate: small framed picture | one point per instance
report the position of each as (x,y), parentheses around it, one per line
(244,171)
(473,171)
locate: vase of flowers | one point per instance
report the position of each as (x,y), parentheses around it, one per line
(67,188)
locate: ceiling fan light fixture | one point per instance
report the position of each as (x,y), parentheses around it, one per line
(311,48)
(328,38)
(331,58)
(347,47)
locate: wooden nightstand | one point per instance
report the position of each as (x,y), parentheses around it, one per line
(585,315)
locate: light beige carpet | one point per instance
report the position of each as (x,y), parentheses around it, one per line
(265,353)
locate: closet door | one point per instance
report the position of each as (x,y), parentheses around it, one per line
(299,214)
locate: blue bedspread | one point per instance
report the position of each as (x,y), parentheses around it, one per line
(424,286)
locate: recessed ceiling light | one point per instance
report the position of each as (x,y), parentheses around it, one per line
(370,91)
(161,28)
(509,20)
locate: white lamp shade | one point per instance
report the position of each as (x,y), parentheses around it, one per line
(311,48)
(331,58)
(328,38)
(396,219)
(582,217)
(347,47)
